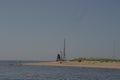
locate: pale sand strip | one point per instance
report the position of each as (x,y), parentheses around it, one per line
(84,64)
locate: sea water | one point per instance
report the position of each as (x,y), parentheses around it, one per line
(15,72)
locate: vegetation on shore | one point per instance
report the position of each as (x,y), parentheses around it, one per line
(96,59)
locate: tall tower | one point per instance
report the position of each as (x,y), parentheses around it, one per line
(64,52)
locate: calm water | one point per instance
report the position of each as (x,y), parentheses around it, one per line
(8,72)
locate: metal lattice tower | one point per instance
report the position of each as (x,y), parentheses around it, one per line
(64,52)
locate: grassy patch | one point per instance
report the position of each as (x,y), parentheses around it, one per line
(96,59)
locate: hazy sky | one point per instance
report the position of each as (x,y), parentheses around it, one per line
(35,29)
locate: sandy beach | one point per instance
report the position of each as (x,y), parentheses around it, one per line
(83,64)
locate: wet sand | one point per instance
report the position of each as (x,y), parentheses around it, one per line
(83,64)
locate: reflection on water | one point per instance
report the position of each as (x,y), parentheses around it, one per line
(56,73)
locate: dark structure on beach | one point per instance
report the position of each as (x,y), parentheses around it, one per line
(58,57)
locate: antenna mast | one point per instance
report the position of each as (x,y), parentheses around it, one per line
(64,54)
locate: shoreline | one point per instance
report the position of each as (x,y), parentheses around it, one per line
(83,64)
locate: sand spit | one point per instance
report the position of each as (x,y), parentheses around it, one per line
(83,64)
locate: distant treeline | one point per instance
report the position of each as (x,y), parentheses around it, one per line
(96,59)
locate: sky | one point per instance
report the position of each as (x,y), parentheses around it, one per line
(35,29)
